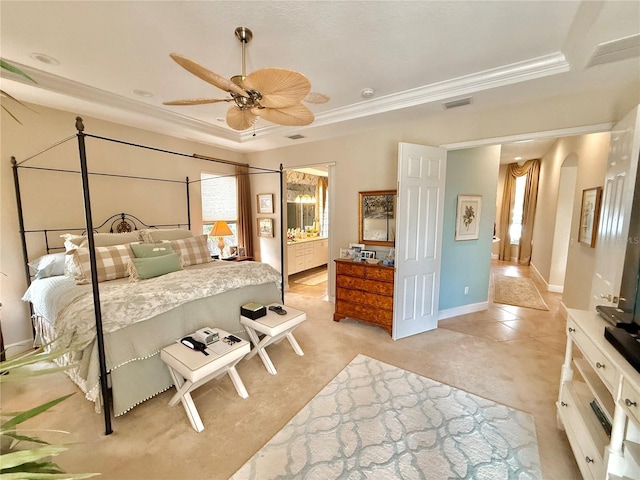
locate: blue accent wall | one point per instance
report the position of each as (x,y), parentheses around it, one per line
(472,171)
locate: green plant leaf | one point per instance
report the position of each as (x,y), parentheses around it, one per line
(34,467)
(14,459)
(22,438)
(46,476)
(21,374)
(21,417)
(11,68)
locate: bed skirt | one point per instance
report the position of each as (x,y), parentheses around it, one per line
(132,354)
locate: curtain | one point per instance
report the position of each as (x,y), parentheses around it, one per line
(245,225)
(321,195)
(531,169)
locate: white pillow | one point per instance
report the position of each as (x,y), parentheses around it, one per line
(48,265)
(157,235)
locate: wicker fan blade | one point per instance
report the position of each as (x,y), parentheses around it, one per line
(279,87)
(295,116)
(240,119)
(197,101)
(315,97)
(207,75)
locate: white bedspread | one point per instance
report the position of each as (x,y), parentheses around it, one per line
(70,307)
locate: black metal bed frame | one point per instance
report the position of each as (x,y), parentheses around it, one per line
(121,219)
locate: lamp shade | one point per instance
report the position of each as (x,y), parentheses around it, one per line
(220,229)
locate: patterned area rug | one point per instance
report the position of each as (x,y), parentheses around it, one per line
(517,291)
(378,421)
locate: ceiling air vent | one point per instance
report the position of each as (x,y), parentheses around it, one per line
(296,137)
(616,50)
(457,103)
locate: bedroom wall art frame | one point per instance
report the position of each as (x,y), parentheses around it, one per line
(265,202)
(265,227)
(468,217)
(589,216)
(376,217)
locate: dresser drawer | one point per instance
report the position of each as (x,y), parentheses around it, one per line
(365,298)
(371,286)
(602,366)
(573,411)
(630,397)
(377,273)
(381,317)
(343,268)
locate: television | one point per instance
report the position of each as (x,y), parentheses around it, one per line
(624,336)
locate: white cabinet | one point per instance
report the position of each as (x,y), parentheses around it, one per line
(594,374)
(307,254)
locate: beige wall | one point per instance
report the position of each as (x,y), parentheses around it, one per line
(363,161)
(592,152)
(52,199)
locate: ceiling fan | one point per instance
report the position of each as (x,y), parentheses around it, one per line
(275,94)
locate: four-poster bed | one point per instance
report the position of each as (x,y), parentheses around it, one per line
(120,326)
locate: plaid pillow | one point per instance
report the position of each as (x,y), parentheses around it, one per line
(193,250)
(111,263)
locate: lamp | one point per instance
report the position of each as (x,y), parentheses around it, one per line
(220,229)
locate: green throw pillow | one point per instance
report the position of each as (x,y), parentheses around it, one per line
(150,267)
(147,250)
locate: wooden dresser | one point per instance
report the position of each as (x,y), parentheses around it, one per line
(364,292)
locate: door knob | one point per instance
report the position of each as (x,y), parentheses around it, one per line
(607,296)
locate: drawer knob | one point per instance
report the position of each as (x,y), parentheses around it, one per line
(563,404)
(599,365)
(571,330)
(589,460)
(629,403)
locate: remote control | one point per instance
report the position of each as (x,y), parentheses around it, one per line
(278,309)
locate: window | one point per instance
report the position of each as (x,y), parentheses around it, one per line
(219,202)
(515,228)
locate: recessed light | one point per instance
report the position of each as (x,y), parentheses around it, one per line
(367,92)
(143,93)
(518,158)
(41,57)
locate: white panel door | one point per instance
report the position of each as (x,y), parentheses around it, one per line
(421,177)
(615,213)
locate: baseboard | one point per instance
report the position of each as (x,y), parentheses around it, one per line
(548,288)
(463,310)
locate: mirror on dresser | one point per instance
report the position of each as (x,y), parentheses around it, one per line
(376,214)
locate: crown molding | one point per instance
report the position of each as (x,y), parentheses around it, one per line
(531,69)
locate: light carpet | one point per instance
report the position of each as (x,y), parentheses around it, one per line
(312,280)
(377,421)
(518,291)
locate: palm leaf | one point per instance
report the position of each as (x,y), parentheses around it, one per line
(22,438)
(11,68)
(22,457)
(21,417)
(46,476)
(16,100)
(12,115)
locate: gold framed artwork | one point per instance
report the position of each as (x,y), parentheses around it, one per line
(468,217)
(589,216)
(265,203)
(265,227)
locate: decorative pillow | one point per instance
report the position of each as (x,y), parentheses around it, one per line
(193,250)
(48,265)
(111,263)
(156,235)
(150,267)
(146,250)
(99,239)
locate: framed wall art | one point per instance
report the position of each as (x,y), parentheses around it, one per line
(265,227)
(265,203)
(589,216)
(468,217)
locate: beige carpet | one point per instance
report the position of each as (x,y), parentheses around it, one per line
(378,421)
(312,280)
(518,291)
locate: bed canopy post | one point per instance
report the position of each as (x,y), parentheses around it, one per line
(23,238)
(282,237)
(106,401)
(188,205)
